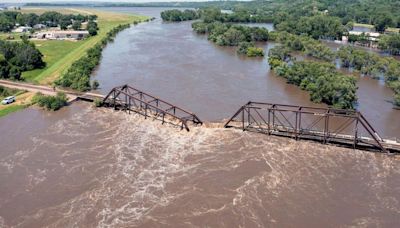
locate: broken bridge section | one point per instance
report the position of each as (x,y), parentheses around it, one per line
(130,99)
(334,126)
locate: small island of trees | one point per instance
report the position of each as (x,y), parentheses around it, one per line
(177,15)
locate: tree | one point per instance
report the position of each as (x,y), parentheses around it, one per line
(255,52)
(18,56)
(76,25)
(243,46)
(92,28)
(177,15)
(390,43)
(6,24)
(232,37)
(382,22)
(64,24)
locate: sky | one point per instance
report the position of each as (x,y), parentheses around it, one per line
(23,1)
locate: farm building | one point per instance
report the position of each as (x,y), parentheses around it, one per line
(63,35)
(23,29)
(39,26)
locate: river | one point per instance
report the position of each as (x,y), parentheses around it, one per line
(170,61)
(89,167)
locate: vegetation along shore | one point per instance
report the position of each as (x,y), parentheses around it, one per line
(61,61)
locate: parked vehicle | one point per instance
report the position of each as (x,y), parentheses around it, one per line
(8,100)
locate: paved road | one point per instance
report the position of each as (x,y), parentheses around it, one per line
(72,95)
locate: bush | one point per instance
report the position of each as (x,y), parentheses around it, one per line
(98,102)
(95,85)
(50,102)
(397,100)
(243,46)
(255,52)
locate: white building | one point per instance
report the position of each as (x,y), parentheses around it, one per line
(23,29)
(371,35)
(63,35)
(39,26)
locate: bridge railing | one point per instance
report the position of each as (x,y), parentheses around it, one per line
(327,125)
(130,99)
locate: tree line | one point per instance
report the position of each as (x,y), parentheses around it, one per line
(371,64)
(178,15)
(16,57)
(9,19)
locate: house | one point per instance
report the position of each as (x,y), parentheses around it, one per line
(23,29)
(63,35)
(39,26)
(372,36)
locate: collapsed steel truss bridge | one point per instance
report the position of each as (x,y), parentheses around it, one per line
(130,99)
(326,125)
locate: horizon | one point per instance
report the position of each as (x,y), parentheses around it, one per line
(102,1)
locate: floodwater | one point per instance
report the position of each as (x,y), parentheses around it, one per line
(172,62)
(87,167)
(362,29)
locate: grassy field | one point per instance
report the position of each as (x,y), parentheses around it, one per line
(16,35)
(59,55)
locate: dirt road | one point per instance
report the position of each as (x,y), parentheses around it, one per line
(72,95)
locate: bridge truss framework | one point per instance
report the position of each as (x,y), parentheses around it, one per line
(334,126)
(130,99)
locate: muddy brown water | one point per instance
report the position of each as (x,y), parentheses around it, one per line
(172,62)
(87,167)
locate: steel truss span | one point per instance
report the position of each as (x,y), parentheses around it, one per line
(130,99)
(329,126)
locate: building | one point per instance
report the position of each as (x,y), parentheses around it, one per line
(39,26)
(23,29)
(373,36)
(368,39)
(63,35)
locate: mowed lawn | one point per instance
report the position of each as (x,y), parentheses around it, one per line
(59,55)
(53,51)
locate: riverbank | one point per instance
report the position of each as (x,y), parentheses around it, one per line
(60,55)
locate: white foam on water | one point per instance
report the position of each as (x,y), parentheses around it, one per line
(132,167)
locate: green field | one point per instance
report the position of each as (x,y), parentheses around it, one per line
(53,51)
(59,55)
